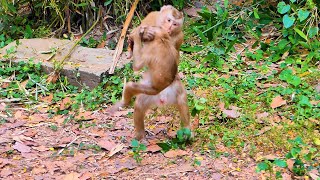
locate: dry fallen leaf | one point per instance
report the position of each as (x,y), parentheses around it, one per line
(38,170)
(98,133)
(277,102)
(221,106)
(30,132)
(59,119)
(290,163)
(86,115)
(72,176)
(285,55)
(193,12)
(21,147)
(66,103)
(107,144)
(53,77)
(102,44)
(24,83)
(153,148)
(315,103)
(18,114)
(3,106)
(270,157)
(263,130)
(175,153)
(231,113)
(36,118)
(65,140)
(267,85)
(286,176)
(21,138)
(314,174)
(86,175)
(5,172)
(195,123)
(16,124)
(4,85)
(48,99)
(51,166)
(41,148)
(123,164)
(262,115)
(116,149)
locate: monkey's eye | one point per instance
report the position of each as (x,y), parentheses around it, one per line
(169,20)
(175,24)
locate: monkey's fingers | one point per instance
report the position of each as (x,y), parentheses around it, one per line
(147,33)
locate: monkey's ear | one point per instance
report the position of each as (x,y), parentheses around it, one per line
(165,7)
(181,14)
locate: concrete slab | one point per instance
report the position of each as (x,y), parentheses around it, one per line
(89,63)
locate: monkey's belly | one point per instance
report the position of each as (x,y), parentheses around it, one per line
(166,97)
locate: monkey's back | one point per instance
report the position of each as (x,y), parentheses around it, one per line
(163,63)
(150,19)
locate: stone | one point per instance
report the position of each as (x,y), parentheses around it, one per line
(86,66)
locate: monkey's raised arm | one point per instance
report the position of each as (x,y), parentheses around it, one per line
(138,62)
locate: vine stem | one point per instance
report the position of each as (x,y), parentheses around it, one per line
(55,74)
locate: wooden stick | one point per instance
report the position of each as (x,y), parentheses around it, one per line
(119,48)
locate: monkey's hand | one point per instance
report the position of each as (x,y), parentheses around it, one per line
(147,33)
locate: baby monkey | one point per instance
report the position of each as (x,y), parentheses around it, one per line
(169,19)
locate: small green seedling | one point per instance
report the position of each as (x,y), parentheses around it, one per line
(136,149)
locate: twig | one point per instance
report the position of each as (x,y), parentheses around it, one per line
(68,145)
(10,100)
(119,48)
(77,42)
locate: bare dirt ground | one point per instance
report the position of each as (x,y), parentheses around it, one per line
(32,147)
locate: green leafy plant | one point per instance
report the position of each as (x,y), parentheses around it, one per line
(198,106)
(137,148)
(304,12)
(182,139)
(215,31)
(300,154)
(286,75)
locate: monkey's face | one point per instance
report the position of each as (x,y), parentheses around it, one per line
(170,24)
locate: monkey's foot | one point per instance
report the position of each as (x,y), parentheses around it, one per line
(115,108)
(140,135)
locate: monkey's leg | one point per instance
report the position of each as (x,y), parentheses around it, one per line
(141,106)
(133,89)
(183,108)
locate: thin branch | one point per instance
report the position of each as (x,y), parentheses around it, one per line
(119,48)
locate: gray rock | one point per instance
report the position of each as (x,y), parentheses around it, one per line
(86,66)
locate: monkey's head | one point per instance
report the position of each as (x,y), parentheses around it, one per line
(170,19)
